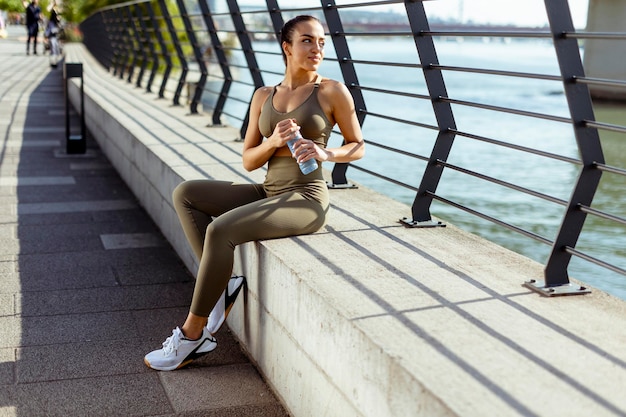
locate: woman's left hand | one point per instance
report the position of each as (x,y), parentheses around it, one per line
(306,149)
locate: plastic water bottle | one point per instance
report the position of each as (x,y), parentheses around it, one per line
(307,166)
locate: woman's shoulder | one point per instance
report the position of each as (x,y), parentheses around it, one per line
(262,93)
(333,87)
(334,93)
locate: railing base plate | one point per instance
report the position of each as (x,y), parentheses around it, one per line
(415,224)
(557,290)
(340,186)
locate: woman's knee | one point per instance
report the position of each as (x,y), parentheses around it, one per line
(219,234)
(182,193)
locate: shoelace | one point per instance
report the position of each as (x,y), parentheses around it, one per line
(171,343)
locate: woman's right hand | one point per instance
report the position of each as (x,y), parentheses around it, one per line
(284,131)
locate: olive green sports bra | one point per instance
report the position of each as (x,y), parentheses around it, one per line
(309,115)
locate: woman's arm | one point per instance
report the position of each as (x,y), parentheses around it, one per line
(344,114)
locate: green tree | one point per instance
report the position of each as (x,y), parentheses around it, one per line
(12,5)
(78,10)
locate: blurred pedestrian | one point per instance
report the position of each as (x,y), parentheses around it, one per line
(33,17)
(3,30)
(53,29)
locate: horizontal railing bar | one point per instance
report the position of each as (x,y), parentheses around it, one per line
(391,92)
(502,183)
(396,150)
(395,119)
(267,53)
(238,100)
(120,5)
(215,77)
(381,63)
(593,260)
(498,72)
(490,34)
(383,177)
(234,116)
(601,81)
(279,74)
(371,3)
(491,219)
(506,110)
(294,9)
(216,92)
(605,126)
(404,33)
(602,214)
(596,35)
(610,169)
(455,33)
(518,147)
(240,66)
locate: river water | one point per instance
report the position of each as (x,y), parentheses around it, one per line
(600,239)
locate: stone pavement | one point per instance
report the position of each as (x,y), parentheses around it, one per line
(88,285)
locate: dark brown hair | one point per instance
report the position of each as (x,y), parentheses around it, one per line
(286,33)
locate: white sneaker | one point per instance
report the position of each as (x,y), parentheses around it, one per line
(178,351)
(224,304)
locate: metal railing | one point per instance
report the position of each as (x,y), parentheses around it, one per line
(234,51)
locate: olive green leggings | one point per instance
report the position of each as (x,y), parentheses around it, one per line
(216,216)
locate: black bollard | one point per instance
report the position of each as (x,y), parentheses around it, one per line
(75,143)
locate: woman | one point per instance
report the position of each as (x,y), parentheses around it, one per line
(216,216)
(52,33)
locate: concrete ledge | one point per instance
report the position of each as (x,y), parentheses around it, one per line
(366,317)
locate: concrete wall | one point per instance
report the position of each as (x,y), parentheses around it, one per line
(606,58)
(366,317)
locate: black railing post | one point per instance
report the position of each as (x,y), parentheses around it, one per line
(197,95)
(164,52)
(108,51)
(443,113)
(350,78)
(588,141)
(218,48)
(246,46)
(118,43)
(74,143)
(179,51)
(276,17)
(125,41)
(132,42)
(135,14)
(146,40)
(100,46)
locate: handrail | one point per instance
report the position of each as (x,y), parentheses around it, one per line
(222,44)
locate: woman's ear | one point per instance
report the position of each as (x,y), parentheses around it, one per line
(285,47)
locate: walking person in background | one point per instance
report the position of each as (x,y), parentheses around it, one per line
(3,30)
(33,17)
(216,216)
(53,29)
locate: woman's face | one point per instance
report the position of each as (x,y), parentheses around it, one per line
(307,45)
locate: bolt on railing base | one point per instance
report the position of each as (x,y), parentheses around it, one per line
(556,290)
(340,186)
(415,224)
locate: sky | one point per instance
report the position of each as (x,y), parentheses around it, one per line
(518,12)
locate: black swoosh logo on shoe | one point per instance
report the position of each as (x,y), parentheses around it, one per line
(229,299)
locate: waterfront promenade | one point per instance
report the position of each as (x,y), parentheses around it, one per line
(88,284)
(431,322)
